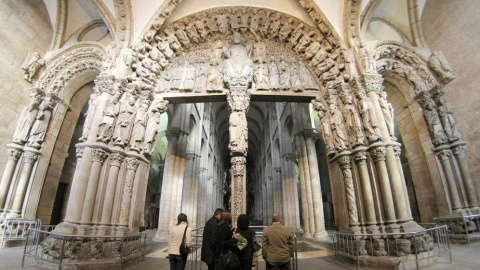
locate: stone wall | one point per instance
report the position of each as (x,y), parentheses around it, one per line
(452,27)
(25,27)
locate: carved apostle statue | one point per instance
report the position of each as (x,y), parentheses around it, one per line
(124,123)
(139,126)
(273,74)
(156,109)
(369,119)
(448,121)
(433,121)
(110,112)
(27,117)
(89,115)
(352,121)
(261,79)
(388,114)
(32,63)
(238,130)
(42,121)
(336,125)
(324,125)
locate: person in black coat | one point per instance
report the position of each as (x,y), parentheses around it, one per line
(225,240)
(209,239)
(246,254)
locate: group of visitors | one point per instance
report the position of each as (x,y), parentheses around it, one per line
(226,248)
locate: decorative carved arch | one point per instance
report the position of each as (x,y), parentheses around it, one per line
(405,62)
(77,60)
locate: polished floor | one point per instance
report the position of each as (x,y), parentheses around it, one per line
(312,255)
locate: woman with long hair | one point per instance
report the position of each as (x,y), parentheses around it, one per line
(225,240)
(177,261)
(245,237)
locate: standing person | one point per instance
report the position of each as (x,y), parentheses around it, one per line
(225,240)
(277,245)
(245,253)
(209,239)
(178,262)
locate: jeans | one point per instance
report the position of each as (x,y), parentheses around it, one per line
(286,266)
(177,262)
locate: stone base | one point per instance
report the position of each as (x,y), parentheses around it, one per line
(100,264)
(464,238)
(389,262)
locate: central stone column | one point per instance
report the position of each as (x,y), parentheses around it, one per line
(237,76)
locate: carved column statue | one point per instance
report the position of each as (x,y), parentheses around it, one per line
(42,122)
(132,165)
(346,168)
(239,205)
(337,125)
(353,124)
(446,115)
(433,120)
(324,118)
(27,118)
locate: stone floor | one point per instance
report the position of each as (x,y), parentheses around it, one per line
(312,255)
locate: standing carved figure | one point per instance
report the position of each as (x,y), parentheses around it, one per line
(295,78)
(138,132)
(307,80)
(273,72)
(156,109)
(124,123)
(448,121)
(352,121)
(238,130)
(284,75)
(261,79)
(89,115)
(369,119)
(42,121)
(201,78)
(324,125)
(336,124)
(27,118)
(388,114)
(32,63)
(110,112)
(433,121)
(260,52)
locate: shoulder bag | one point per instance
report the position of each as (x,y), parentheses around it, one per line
(184,249)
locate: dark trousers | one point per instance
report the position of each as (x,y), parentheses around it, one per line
(211,266)
(286,266)
(177,262)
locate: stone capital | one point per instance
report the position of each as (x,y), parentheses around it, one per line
(173,133)
(360,158)
(373,82)
(30,157)
(14,154)
(132,163)
(99,155)
(344,162)
(460,151)
(397,150)
(378,154)
(116,159)
(444,154)
(310,133)
(79,152)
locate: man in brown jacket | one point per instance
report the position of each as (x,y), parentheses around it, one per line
(277,245)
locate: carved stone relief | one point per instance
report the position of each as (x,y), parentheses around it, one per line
(27,117)
(32,64)
(353,123)
(337,125)
(42,122)
(110,113)
(433,120)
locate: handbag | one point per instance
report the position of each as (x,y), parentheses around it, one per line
(184,249)
(227,261)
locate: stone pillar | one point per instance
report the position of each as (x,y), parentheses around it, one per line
(397,187)
(346,168)
(238,187)
(132,165)
(29,158)
(460,155)
(308,185)
(116,160)
(166,193)
(278,190)
(444,156)
(79,185)
(361,161)
(398,151)
(303,189)
(14,153)
(378,155)
(98,157)
(320,231)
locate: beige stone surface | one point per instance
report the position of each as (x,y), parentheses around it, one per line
(452,27)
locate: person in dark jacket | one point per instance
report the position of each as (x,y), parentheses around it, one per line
(210,239)
(225,240)
(245,253)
